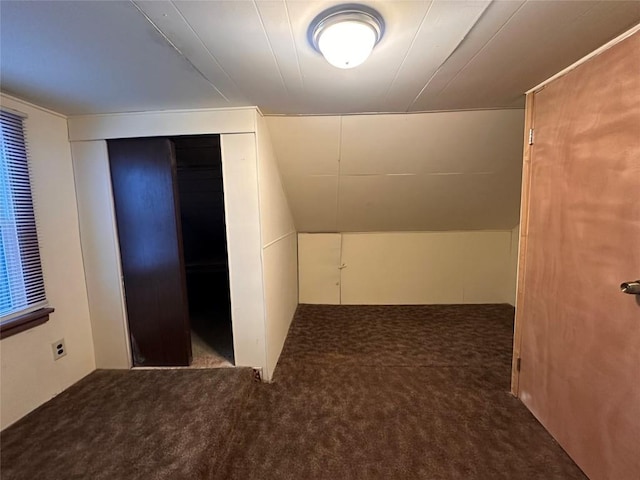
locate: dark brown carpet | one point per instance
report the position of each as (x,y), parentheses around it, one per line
(138,424)
(361,392)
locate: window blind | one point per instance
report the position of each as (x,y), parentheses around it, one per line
(21,281)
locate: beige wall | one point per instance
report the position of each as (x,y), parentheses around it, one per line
(101,254)
(279,250)
(407,268)
(438,171)
(30,376)
(242,216)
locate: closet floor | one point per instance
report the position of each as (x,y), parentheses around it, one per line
(204,355)
(211,340)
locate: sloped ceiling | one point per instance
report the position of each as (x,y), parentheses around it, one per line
(411,172)
(119,56)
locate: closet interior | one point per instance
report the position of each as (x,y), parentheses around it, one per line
(204,241)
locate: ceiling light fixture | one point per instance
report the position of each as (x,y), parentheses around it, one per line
(346,34)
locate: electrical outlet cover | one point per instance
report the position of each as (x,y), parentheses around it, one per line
(59,349)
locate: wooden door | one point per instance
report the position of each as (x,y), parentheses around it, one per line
(143,175)
(580,352)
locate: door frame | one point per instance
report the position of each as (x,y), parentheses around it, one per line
(237,128)
(522,244)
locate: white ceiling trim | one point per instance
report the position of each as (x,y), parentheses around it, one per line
(28,104)
(163,123)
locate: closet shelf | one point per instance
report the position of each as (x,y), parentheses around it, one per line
(207,266)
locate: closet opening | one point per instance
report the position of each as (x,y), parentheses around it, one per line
(204,243)
(169,203)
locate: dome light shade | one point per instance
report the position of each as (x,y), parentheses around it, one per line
(346,34)
(347,44)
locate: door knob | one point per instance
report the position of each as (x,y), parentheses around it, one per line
(632,288)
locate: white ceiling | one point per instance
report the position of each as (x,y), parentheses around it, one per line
(458,170)
(97,57)
(411,172)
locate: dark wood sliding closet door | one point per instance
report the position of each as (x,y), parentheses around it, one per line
(143,175)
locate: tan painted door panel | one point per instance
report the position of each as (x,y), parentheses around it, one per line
(319,268)
(580,352)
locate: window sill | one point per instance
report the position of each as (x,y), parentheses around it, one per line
(25,322)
